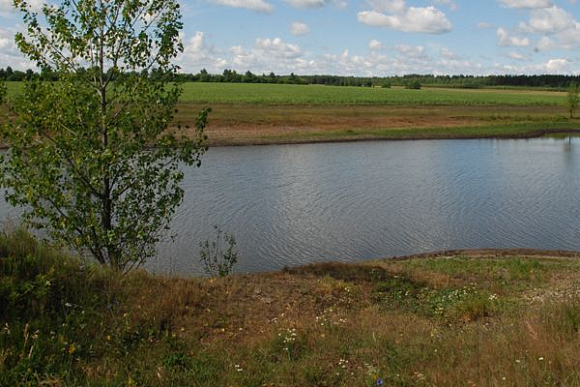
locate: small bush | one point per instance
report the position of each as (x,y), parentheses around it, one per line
(215,260)
(413,85)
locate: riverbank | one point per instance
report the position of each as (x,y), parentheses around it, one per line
(478,318)
(261,125)
(256,114)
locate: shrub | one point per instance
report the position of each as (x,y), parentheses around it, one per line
(413,85)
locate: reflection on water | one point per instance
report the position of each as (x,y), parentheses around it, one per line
(294,204)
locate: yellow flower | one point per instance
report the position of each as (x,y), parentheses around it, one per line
(71,349)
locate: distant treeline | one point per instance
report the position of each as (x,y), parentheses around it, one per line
(231,76)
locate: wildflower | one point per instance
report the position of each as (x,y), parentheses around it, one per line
(71,349)
(419,376)
(493,297)
(541,358)
(379,382)
(238,368)
(68,305)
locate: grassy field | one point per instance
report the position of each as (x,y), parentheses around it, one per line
(274,94)
(269,114)
(266,94)
(480,319)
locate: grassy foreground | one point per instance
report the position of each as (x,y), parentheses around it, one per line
(457,320)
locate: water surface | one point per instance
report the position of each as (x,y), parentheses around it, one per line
(294,204)
(289,205)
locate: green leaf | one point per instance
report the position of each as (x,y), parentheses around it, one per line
(92,158)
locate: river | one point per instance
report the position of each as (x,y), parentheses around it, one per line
(289,205)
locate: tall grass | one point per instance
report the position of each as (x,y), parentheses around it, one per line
(484,321)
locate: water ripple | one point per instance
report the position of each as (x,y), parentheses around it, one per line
(294,204)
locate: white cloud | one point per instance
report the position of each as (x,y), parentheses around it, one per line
(446,53)
(557,66)
(410,51)
(557,28)
(526,4)
(545,44)
(408,19)
(274,54)
(552,66)
(505,39)
(6,6)
(196,44)
(299,29)
(198,54)
(268,55)
(310,4)
(549,21)
(6,41)
(388,6)
(278,48)
(306,3)
(516,56)
(375,44)
(252,5)
(10,54)
(570,38)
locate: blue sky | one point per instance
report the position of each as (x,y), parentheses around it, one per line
(369,37)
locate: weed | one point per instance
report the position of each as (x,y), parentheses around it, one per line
(215,260)
(392,323)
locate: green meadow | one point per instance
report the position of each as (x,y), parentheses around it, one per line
(274,94)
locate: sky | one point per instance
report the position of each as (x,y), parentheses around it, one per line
(366,38)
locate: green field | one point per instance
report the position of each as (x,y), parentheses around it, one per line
(334,95)
(273,94)
(244,114)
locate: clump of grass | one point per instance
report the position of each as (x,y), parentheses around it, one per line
(58,314)
(447,321)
